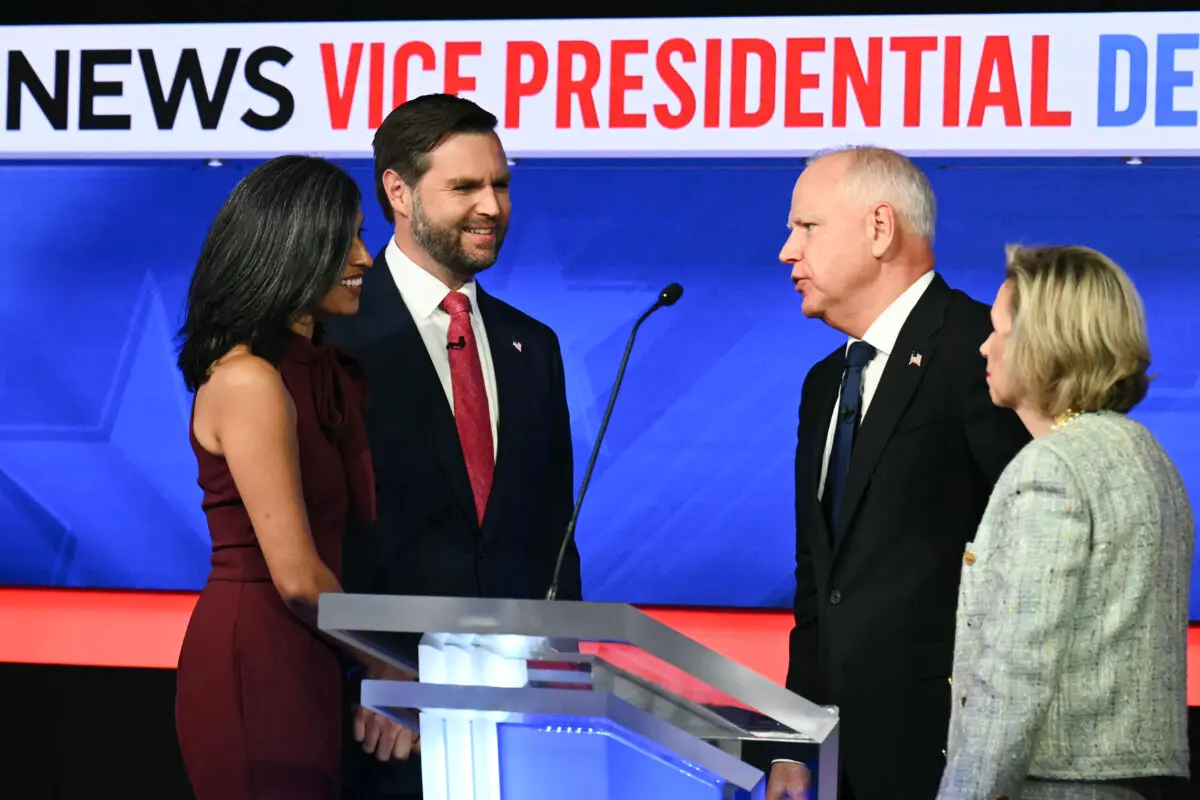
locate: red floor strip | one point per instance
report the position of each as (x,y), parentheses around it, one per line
(144,629)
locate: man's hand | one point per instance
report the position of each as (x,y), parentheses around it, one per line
(383,737)
(789,781)
(379,735)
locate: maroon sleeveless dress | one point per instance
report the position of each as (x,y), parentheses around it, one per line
(258,706)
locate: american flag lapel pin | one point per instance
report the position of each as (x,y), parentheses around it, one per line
(517,346)
(914,360)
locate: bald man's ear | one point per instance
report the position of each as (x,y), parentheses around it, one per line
(881,229)
(398,193)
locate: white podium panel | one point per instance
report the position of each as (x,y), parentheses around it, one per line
(524,700)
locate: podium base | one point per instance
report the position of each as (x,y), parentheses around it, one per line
(598,761)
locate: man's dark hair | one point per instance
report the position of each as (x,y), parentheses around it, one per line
(414,130)
(276,249)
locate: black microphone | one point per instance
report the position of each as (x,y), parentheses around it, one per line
(667,297)
(461,344)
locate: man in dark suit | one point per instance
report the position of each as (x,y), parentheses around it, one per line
(899,448)
(467,418)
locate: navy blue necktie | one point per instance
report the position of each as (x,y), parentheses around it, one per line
(848,413)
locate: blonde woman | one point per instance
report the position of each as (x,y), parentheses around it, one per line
(1070,653)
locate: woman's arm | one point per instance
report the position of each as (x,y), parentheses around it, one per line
(1020,642)
(253,422)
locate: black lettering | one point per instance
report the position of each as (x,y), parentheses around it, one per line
(90,89)
(21,75)
(209,109)
(264,85)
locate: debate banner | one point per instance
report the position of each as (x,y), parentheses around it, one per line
(998,85)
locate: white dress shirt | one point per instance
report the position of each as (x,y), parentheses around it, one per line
(882,336)
(423,294)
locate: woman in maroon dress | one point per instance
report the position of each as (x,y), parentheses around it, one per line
(277,428)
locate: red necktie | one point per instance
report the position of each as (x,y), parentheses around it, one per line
(471,413)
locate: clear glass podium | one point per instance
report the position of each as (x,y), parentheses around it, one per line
(533,700)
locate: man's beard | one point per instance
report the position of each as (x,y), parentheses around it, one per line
(444,244)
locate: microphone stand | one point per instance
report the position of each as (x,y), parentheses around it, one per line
(666,297)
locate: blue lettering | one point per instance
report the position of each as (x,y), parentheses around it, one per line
(1167,79)
(1107,113)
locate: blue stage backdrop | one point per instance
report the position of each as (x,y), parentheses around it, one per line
(692,497)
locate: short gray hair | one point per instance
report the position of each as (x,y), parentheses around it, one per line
(877,174)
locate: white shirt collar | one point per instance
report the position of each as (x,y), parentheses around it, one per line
(885,329)
(422,293)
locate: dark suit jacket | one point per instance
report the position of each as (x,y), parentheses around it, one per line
(427,540)
(876,599)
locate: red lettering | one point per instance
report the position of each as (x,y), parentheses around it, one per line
(676,83)
(455,82)
(579,87)
(375,86)
(340,98)
(796,80)
(712,83)
(739,115)
(914,49)
(620,82)
(952,82)
(847,70)
(400,68)
(995,61)
(1040,116)
(514,87)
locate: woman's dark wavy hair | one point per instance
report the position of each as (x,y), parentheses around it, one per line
(276,249)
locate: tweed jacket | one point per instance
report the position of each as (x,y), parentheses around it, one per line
(1071,637)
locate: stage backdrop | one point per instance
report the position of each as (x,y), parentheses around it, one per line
(692,497)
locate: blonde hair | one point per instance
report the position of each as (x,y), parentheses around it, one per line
(876,174)
(1078,340)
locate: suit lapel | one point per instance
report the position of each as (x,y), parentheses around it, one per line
(896,389)
(418,378)
(509,364)
(819,433)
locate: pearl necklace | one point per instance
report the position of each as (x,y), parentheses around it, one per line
(1065,418)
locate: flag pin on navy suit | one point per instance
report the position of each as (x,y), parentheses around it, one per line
(914,360)
(517,345)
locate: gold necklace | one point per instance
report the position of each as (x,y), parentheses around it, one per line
(1064,418)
